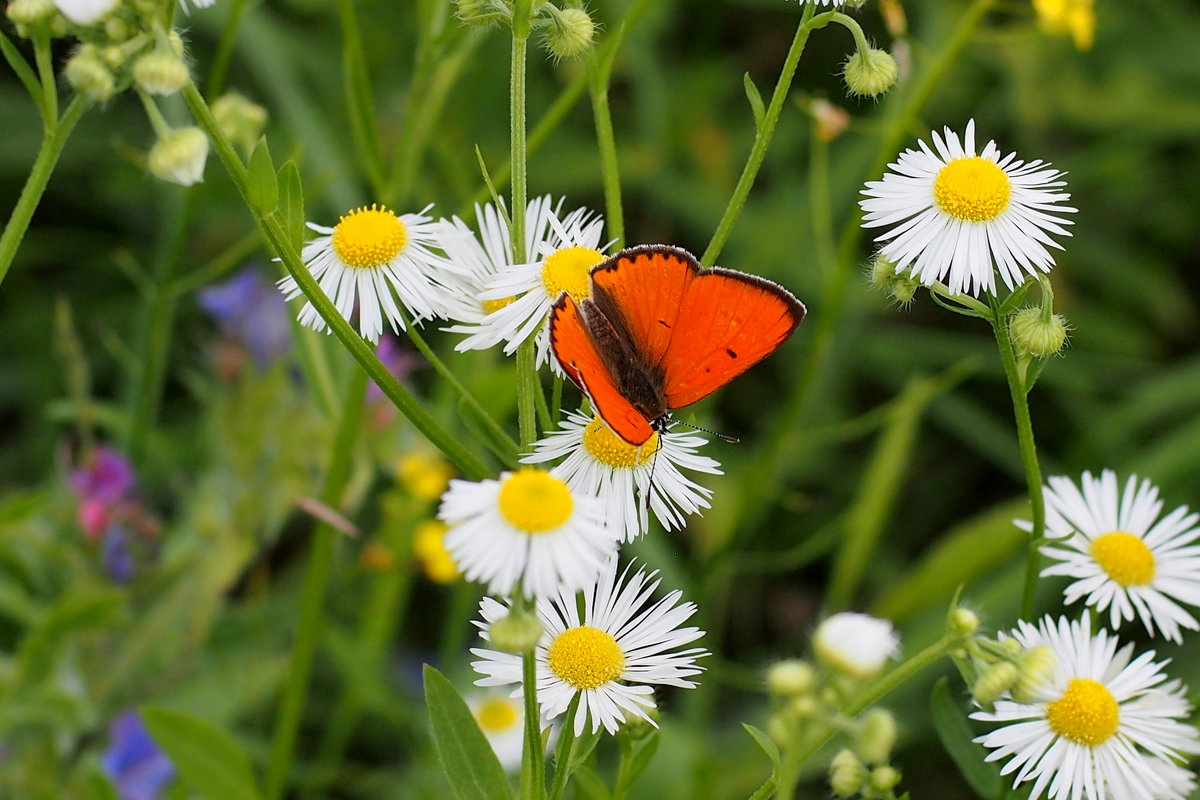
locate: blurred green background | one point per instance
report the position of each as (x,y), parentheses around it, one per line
(224,460)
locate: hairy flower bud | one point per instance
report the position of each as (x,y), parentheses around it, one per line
(790,677)
(870,73)
(846,774)
(876,736)
(29,12)
(569,32)
(160,72)
(179,156)
(995,681)
(963,621)
(884,779)
(1036,335)
(89,75)
(1036,667)
(484,12)
(516,632)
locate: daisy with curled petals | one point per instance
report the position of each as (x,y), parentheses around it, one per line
(371,253)
(600,463)
(1123,557)
(527,529)
(1103,726)
(565,248)
(956,216)
(610,656)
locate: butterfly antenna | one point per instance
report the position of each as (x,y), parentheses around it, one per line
(725,437)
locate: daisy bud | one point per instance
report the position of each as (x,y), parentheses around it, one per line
(870,73)
(1038,333)
(516,632)
(89,75)
(791,677)
(176,42)
(782,729)
(963,621)
(179,156)
(160,73)
(1036,667)
(241,121)
(85,12)
(637,727)
(803,706)
(483,12)
(856,645)
(995,681)
(876,736)
(846,774)
(29,12)
(884,779)
(117,29)
(569,32)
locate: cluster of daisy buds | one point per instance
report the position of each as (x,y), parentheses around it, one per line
(993,667)
(900,287)
(850,649)
(567,31)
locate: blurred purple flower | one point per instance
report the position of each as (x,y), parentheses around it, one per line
(116,555)
(249,309)
(399,361)
(139,770)
(106,477)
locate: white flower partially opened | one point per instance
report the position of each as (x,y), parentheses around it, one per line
(857,645)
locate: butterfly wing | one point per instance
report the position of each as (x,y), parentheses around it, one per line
(576,351)
(699,328)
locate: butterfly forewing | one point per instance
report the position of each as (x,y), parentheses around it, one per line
(576,352)
(728,322)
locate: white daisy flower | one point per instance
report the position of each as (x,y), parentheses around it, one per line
(854,644)
(366,256)
(186,4)
(600,463)
(610,655)
(502,720)
(85,12)
(955,216)
(1123,557)
(1104,726)
(566,249)
(528,528)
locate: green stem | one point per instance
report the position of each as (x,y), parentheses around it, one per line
(766,790)
(499,435)
(45,67)
(53,142)
(600,72)
(762,139)
(467,463)
(312,596)
(562,752)
(1033,472)
(527,378)
(793,760)
(224,55)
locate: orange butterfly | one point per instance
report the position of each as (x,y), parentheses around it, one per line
(658,332)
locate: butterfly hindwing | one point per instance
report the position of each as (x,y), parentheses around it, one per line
(728,322)
(576,352)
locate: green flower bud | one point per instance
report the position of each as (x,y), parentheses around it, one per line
(89,75)
(176,42)
(846,774)
(637,727)
(1037,336)
(963,621)
(117,29)
(179,156)
(782,729)
(569,32)
(870,74)
(876,736)
(241,121)
(790,677)
(1036,667)
(995,681)
(803,706)
(518,632)
(484,12)
(24,13)
(160,72)
(884,779)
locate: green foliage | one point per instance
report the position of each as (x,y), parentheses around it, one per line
(209,760)
(467,758)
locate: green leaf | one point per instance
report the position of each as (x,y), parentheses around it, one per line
(470,764)
(589,786)
(82,609)
(764,742)
(756,103)
(956,734)
(643,751)
(585,744)
(261,187)
(210,762)
(20,66)
(291,204)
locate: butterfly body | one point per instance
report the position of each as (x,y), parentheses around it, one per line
(658,332)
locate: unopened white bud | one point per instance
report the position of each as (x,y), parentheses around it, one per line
(179,156)
(160,72)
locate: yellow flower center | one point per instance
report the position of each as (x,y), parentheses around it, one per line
(1125,558)
(490,306)
(585,657)
(972,189)
(369,237)
(613,451)
(497,714)
(535,501)
(1087,713)
(568,269)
